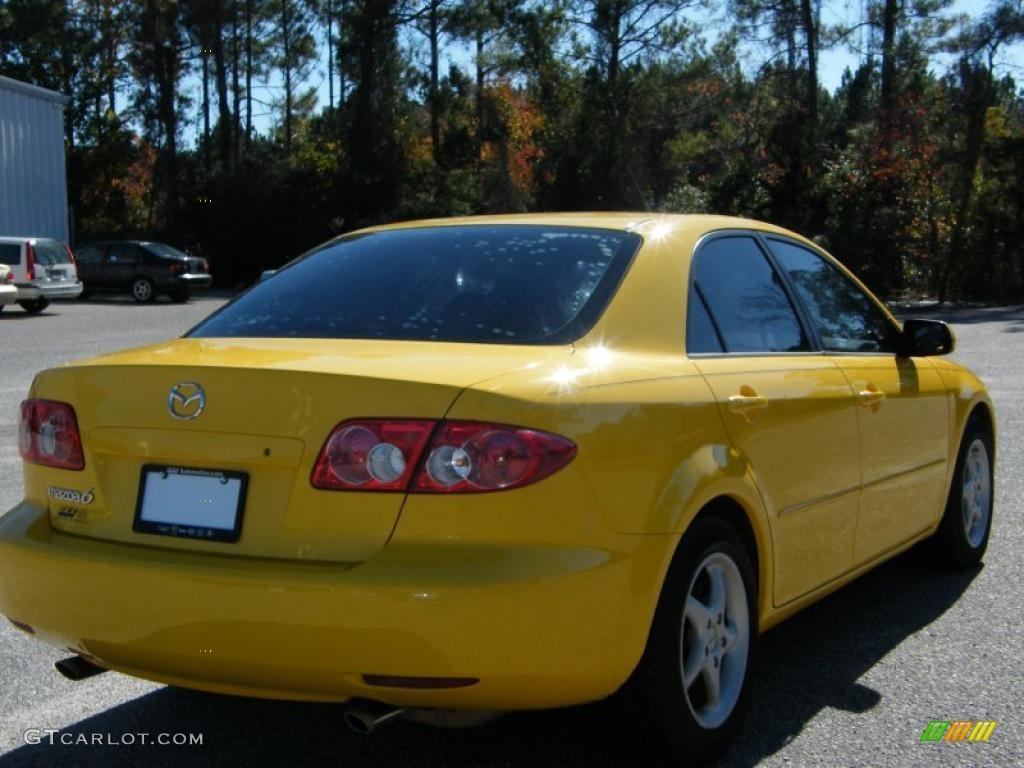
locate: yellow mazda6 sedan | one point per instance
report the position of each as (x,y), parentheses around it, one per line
(445,469)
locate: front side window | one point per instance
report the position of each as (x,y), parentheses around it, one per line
(510,284)
(846,319)
(745,300)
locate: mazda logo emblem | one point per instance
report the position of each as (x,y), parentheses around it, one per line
(186,400)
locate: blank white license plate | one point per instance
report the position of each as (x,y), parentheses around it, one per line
(191,503)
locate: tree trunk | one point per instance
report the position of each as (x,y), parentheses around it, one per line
(236,91)
(221,77)
(342,84)
(977,85)
(890,17)
(810,24)
(286,42)
(435,46)
(479,43)
(614,48)
(248,73)
(329,12)
(206,108)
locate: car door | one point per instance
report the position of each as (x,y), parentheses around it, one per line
(902,405)
(90,266)
(787,408)
(122,264)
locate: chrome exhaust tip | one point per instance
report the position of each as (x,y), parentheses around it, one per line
(365,719)
(78,668)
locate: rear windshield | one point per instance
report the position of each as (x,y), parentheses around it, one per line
(50,252)
(161,249)
(513,284)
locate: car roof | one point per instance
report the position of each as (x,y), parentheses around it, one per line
(625,221)
(26,238)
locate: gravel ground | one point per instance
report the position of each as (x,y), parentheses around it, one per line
(852,681)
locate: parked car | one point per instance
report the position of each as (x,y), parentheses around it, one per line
(142,268)
(8,290)
(44,270)
(442,470)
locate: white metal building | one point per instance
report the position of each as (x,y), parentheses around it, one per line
(33,179)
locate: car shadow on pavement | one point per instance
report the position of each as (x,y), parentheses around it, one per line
(813,661)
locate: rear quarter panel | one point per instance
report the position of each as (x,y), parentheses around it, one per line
(652,452)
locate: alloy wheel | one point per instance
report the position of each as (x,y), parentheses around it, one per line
(715,642)
(976,493)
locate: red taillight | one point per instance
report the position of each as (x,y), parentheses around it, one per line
(178,268)
(48,435)
(9,278)
(71,255)
(462,456)
(30,262)
(206,266)
(371,455)
(471,456)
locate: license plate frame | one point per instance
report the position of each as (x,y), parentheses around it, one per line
(190,483)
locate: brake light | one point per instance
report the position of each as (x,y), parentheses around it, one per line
(206,266)
(461,457)
(371,455)
(71,255)
(9,278)
(30,262)
(48,435)
(178,268)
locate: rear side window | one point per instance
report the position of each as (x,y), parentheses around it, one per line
(701,335)
(745,300)
(50,252)
(124,253)
(512,284)
(89,254)
(846,319)
(162,249)
(10,253)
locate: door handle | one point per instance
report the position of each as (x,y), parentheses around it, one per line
(748,403)
(871,397)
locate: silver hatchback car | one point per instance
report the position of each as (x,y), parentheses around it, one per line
(44,270)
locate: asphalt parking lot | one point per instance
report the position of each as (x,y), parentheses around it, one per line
(851,681)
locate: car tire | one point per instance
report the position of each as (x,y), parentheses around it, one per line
(35,306)
(143,290)
(676,720)
(962,537)
(179,297)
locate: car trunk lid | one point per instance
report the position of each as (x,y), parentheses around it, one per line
(53,262)
(269,404)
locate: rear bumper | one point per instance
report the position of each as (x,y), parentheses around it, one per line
(539,627)
(50,291)
(187,282)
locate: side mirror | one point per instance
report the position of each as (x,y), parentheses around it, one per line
(267,273)
(926,338)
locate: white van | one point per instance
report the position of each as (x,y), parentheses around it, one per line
(44,270)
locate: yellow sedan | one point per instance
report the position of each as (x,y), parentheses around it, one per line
(444,469)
